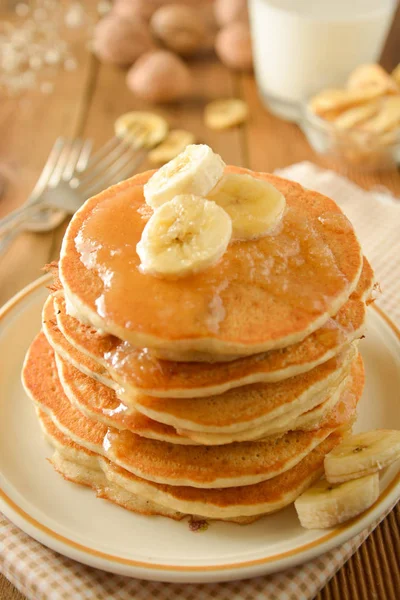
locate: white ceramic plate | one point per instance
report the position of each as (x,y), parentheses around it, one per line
(72,521)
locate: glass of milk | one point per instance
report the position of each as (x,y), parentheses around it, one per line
(302,46)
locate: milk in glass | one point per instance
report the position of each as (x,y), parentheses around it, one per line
(301,46)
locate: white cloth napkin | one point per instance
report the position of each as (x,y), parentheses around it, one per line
(42,574)
(375,215)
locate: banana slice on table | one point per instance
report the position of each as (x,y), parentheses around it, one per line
(222,114)
(255,206)
(175,142)
(362,454)
(196,170)
(184,236)
(326,505)
(143,129)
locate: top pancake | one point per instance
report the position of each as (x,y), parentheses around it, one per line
(262,294)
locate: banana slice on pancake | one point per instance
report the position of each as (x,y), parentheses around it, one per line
(196,170)
(255,206)
(184,236)
(362,454)
(326,505)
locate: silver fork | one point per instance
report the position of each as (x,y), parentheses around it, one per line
(64,155)
(69,177)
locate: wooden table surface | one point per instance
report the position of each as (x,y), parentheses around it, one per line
(86,103)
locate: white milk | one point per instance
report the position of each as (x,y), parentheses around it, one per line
(301,46)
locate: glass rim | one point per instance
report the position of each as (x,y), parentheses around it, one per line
(373,13)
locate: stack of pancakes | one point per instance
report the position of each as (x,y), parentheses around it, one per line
(216,395)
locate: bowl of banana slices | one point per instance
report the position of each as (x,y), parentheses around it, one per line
(357,125)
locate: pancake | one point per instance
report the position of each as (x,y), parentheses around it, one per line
(40,375)
(229,503)
(99,402)
(41,383)
(58,342)
(161,462)
(82,466)
(139,371)
(249,406)
(345,318)
(262,498)
(338,409)
(263,294)
(207,467)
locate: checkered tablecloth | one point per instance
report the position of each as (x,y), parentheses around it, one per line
(41,574)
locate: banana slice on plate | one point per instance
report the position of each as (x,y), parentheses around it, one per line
(142,129)
(325,505)
(184,236)
(223,114)
(362,454)
(196,170)
(175,142)
(255,206)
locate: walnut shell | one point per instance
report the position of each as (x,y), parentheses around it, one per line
(233,46)
(230,11)
(181,28)
(136,9)
(119,41)
(160,76)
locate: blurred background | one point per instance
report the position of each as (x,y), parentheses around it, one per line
(71,69)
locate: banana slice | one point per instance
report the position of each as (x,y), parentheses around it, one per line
(362,454)
(336,99)
(255,206)
(175,142)
(222,114)
(326,505)
(184,236)
(387,118)
(196,170)
(143,129)
(370,75)
(356,115)
(396,74)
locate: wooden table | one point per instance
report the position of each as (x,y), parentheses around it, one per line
(86,103)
